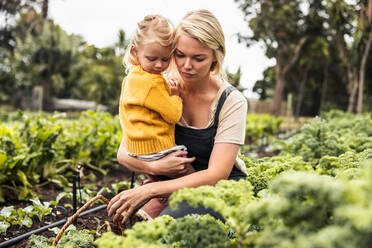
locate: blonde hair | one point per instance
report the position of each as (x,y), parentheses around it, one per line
(151,28)
(204,26)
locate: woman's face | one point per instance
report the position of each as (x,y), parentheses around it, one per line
(193,59)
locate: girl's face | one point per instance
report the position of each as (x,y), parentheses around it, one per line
(193,59)
(153,57)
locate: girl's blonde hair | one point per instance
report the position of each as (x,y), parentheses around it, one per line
(151,28)
(204,26)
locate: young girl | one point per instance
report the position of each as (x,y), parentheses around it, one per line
(149,108)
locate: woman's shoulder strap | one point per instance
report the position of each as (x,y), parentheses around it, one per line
(221,101)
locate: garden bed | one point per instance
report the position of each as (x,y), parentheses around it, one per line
(96,221)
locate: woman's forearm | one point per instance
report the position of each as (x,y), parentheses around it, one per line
(220,165)
(172,165)
(133,164)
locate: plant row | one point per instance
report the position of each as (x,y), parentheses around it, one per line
(37,149)
(315,193)
(259,126)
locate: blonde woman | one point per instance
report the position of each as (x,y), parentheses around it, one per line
(212,125)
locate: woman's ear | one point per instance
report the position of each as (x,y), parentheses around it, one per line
(133,50)
(213,65)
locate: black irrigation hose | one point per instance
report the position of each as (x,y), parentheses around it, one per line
(45,228)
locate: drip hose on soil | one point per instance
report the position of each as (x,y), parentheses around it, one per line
(17,239)
(72,218)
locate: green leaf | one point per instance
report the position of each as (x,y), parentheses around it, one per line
(7,211)
(1,196)
(23,178)
(27,222)
(28,209)
(61,195)
(120,186)
(55,230)
(37,203)
(103,190)
(3,159)
(4,226)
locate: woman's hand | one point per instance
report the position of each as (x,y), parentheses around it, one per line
(173,165)
(127,202)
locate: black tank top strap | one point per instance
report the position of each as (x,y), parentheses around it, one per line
(221,101)
(200,142)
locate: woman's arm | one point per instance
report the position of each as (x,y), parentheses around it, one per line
(172,165)
(220,166)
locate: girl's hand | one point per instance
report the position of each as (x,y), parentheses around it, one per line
(173,165)
(127,202)
(174,87)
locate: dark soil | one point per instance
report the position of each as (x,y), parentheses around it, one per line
(98,221)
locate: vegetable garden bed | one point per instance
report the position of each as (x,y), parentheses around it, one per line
(313,192)
(97,222)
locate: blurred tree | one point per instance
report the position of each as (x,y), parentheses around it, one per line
(45,8)
(10,10)
(121,44)
(64,65)
(44,59)
(366,23)
(102,75)
(333,62)
(314,58)
(265,87)
(350,28)
(280,26)
(234,79)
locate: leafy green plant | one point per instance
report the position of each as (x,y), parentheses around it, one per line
(189,231)
(261,171)
(37,148)
(330,137)
(261,125)
(41,208)
(117,187)
(71,238)
(21,217)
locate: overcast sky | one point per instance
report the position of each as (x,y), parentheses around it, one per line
(98,22)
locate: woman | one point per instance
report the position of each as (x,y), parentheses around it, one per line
(212,125)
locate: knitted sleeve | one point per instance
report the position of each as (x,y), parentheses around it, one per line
(169,107)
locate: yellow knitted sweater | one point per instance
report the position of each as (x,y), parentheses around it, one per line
(148,113)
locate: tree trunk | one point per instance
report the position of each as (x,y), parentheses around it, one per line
(352,77)
(324,88)
(361,73)
(279,86)
(47,103)
(353,91)
(301,90)
(45,8)
(280,76)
